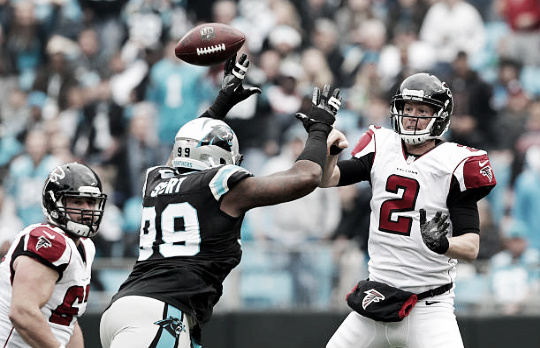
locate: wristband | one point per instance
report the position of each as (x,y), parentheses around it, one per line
(62,346)
(315,148)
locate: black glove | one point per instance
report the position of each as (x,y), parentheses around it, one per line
(323,110)
(232,92)
(434,232)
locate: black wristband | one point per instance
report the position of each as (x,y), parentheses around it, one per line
(443,246)
(319,126)
(220,107)
(315,148)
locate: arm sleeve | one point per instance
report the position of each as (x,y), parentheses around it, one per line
(463,210)
(355,169)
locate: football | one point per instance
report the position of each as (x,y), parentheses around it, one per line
(209,44)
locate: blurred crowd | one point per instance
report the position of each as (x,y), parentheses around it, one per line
(97,81)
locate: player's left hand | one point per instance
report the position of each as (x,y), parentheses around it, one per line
(232,90)
(434,232)
(324,109)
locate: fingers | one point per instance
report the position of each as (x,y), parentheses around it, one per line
(241,67)
(300,116)
(442,220)
(335,100)
(229,64)
(326,91)
(253,90)
(422,217)
(242,59)
(316,97)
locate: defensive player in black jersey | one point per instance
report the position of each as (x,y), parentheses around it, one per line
(193,209)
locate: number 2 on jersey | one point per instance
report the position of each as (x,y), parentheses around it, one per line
(175,233)
(401,225)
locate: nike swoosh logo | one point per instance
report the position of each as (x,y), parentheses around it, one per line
(49,235)
(482,163)
(429,303)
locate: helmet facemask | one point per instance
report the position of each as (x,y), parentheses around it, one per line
(82,222)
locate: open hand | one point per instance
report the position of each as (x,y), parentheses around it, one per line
(434,232)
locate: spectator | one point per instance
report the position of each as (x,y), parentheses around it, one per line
(405,52)
(452,26)
(325,38)
(178,90)
(405,14)
(508,73)
(473,115)
(526,207)
(515,271)
(26,174)
(10,224)
(90,65)
(284,97)
(56,76)
(103,16)
(26,39)
(523,18)
(138,151)
(511,120)
(97,134)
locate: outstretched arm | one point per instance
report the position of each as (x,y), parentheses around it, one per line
(305,174)
(337,142)
(232,91)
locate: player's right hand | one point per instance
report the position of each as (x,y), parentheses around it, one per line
(336,142)
(232,90)
(323,110)
(234,74)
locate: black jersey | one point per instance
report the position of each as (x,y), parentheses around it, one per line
(187,244)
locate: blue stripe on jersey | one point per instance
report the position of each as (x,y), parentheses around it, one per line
(218,185)
(172,326)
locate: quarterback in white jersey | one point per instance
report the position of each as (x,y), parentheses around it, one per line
(424,217)
(45,276)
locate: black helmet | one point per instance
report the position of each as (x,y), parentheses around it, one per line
(428,89)
(73,180)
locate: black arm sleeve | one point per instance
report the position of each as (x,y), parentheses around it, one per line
(355,170)
(463,210)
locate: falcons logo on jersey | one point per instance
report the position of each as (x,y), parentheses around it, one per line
(372,295)
(43,242)
(487,172)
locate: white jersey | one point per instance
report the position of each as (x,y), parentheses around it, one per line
(52,247)
(401,187)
